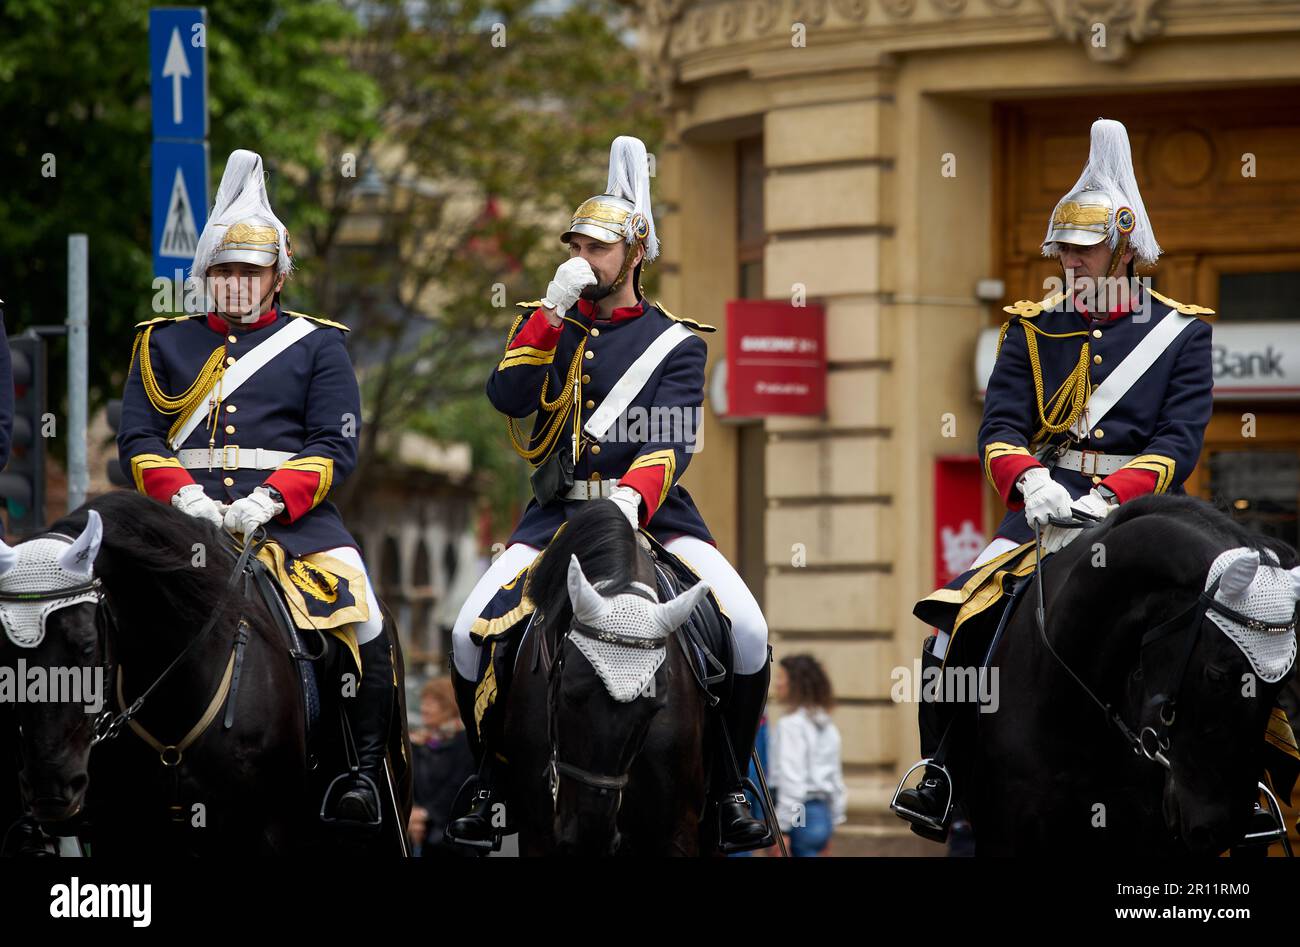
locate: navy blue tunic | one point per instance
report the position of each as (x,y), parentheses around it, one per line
(305,401)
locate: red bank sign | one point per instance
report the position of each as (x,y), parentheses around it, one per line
(776,358)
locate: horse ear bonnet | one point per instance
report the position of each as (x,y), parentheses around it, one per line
(37,568)
(1269,597)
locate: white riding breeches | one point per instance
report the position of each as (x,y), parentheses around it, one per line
(748,627)
(371,628)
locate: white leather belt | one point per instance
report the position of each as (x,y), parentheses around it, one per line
(232,457)
(591,489)
(1093,463)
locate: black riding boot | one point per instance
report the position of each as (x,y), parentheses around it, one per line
(369,714)
(926,806)
(742,713)
(479,827)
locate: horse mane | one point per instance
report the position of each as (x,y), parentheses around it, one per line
(1214,520)
(606,547)
(148,549)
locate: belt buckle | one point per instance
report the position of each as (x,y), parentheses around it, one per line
(225,457)
(595,487)
(1085,468)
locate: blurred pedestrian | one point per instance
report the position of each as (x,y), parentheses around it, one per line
(806,776)
(442,762)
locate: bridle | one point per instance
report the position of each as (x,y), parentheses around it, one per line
(1152,739)
(109,723)
(557,769)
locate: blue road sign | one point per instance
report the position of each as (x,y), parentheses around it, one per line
(178,70)
(180,203)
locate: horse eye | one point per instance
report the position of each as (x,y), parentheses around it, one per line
(1215,673)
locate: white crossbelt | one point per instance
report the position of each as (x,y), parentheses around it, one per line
(634,379)
(232,457)
(591,489)
(1092,463)
(1127,372)
(243,369)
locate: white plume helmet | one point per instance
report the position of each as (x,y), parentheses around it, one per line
(625,669)
(241,198)
(1108,181)
(1263,592)
(629,178)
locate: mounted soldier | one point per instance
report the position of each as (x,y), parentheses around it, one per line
(1099,394)
(595,360)
(245,415)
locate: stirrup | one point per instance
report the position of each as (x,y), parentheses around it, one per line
(330,800)
(1266,837)
(923,824)
(766,841)
(490,844)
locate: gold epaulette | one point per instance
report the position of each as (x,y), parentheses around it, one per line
(1187,309)
(158,319)
(697,326)
(1027,309)
(530,305)
(321,319)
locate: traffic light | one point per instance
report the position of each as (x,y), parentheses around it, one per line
(115,475)
(22,484)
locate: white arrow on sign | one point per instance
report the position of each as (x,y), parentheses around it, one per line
(177,67)
(179,237)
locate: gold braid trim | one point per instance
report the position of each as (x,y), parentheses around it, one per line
(557,408)
(1064,407)
(189,399)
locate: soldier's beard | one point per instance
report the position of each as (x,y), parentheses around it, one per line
(597,291)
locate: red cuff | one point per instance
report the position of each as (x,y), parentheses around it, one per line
(1004,471)
(649,482)
(537,333)
(299,489)
(1130,482)
(162,483)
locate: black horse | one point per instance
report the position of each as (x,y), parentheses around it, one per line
(236,772)
(1124,615)
(588,773)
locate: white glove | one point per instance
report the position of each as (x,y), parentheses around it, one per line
(1044,497)
(1056,538)
(250,512)
(571,278)
(629,501)
(192,501)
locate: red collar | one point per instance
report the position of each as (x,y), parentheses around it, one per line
(218,323)
(1117,311)
(588,309)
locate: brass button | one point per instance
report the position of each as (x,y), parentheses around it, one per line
(231,338)
(595,475)
(595,331)
(229,481)
(1097,433)
(230,408)
(1096,333)
(586,379)
(230,360)
(1096,480)
(590,403)
(589,354)
(595,448)
(230,429)
(1096,359)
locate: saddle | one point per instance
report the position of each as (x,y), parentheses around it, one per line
(304,659)
(706,635)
